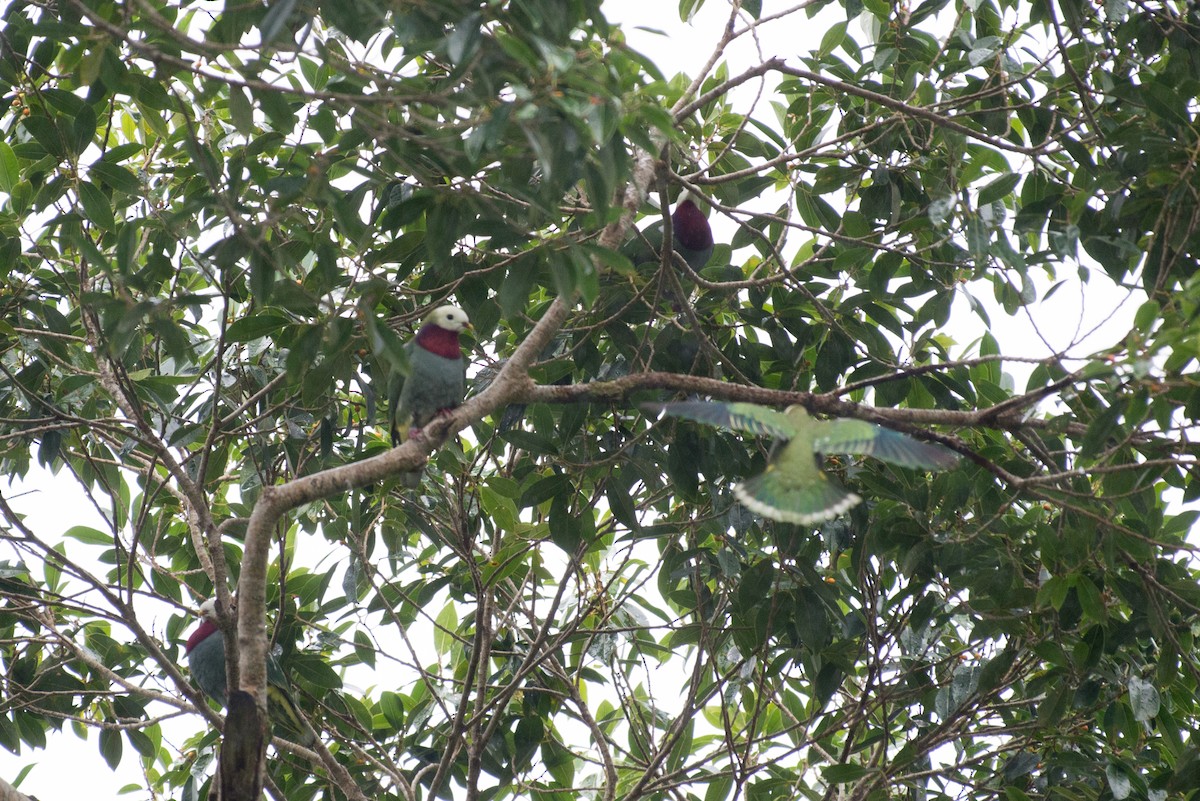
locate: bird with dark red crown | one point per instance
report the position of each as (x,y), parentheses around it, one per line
(436,380)
(205,651)
(692,237)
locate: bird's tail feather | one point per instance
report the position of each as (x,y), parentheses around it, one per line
(774,495)
(288,717)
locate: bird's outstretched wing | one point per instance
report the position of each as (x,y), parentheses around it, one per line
(747,417)
(858,436)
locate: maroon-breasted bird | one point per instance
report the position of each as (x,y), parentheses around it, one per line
(205,651)
(436,381)
(691,235)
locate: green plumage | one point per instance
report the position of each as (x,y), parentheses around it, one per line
(206,661)
(691,235)
(794,488)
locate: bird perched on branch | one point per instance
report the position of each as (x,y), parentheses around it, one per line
(691,237)
(794,488)
(436,380)
(205,651)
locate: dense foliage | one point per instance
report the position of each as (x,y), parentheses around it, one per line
(221,220)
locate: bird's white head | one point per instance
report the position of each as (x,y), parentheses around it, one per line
(208,610)
(450,318)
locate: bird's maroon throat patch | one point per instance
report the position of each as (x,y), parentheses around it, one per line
(439,341)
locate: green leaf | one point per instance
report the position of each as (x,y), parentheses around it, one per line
(502,510)
(111,746)
(248,329)
(10,168)
(277,108)
(142,743)
(464,40)
(719,789)
(527,736)
(241,112)
(544,489)
(262,274)
(364,649)
(620,503)
(514,292)
(688,9)
(115,176)
(1090,599)
(49,448)
(95,206)
(1147,315)
(444,627)
(565,527)
(22,197)
(559,762)
(1102,430)
(315,671)
(1118,781)
(278,15)
(83,129)
(47,134)
(844,774)
(998,189)
(89,535)
(393,709)
(615,260)
(1054,705)
(1144,699)
(832,38)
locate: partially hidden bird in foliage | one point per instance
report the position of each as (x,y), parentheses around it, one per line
(691,237)
(436,380)
(794,488)
(205,651)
